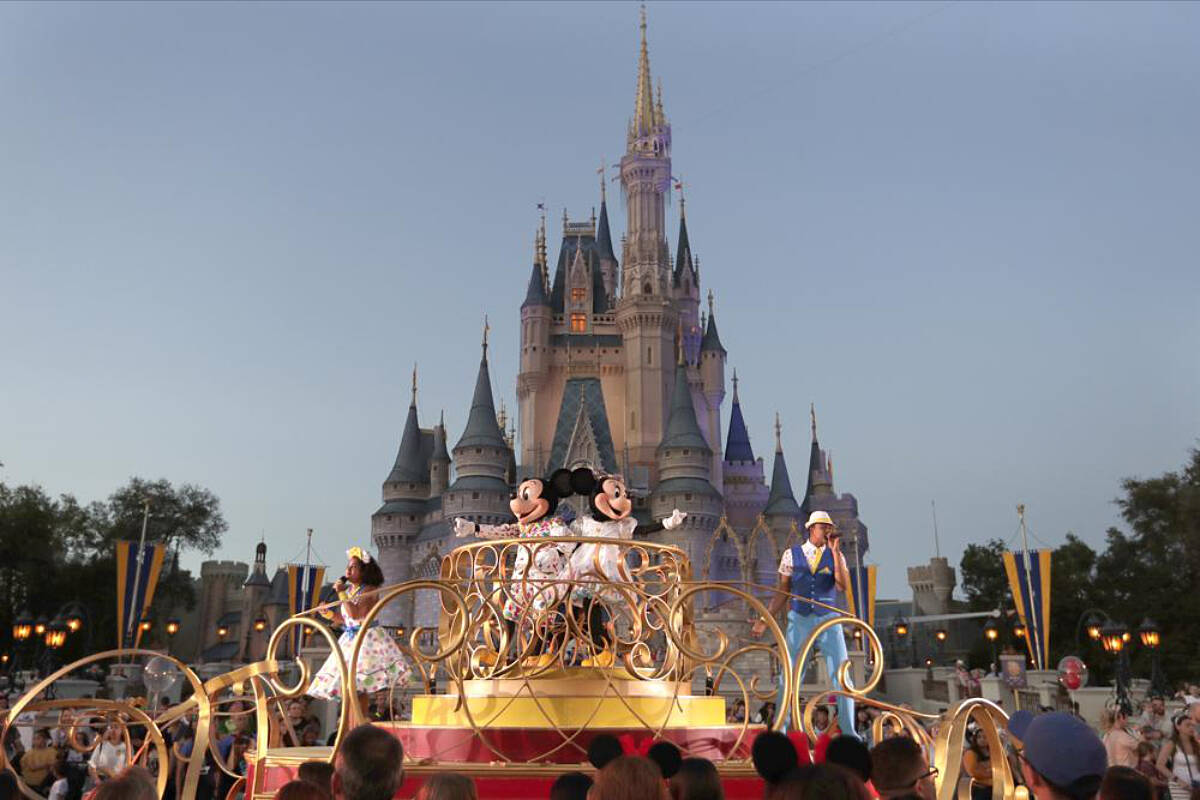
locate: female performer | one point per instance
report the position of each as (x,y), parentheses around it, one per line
(380,662)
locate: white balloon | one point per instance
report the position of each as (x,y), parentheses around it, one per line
(159,674)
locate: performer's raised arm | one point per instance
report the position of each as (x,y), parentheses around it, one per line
(665,524)
(464,528)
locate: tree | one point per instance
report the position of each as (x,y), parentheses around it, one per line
(984,581)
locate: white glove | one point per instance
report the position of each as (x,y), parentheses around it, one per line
(463,527)
(675,520)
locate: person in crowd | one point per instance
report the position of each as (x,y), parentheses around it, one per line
(774,757)
(851,753)
(60,783)
(1157,720)
(1177,759)
(1119,741)
(629,778)
(603,748)
(571,786)
(900,770)
(8,786)
(310,735)
(1062,758)
(862,723)
(37,761)
(977,763)
(667,757)
(1146,757)
(110,756)
(370,765)
(448,786)
(131,783)
(301,790)
(820,720)
(737,713)
(766,713)
(318,772)
(820,782)
(696,779)
(1123,783)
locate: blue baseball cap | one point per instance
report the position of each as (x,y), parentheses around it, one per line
(1018,723)
(1063,749)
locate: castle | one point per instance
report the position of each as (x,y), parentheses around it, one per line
(620,370)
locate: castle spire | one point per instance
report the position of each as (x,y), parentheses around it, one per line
(711,340)
(410,467)
(482,428)
(781,502)
(644,119)
(414,384)
(737,445)
(818,482)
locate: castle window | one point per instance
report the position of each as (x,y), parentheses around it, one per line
(474,495)
(578,294)
(687,497)
(579,323)
(686,451)
(633,420)
(646,289)
(649,356)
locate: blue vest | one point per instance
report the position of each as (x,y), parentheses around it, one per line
(821,587)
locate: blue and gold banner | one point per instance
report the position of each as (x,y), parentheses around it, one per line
(862,593)
(1030,584)
(304,581)
(136,581)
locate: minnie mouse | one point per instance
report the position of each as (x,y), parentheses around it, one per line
(611,518)
(541,571)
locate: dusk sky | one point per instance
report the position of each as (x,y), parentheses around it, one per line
(968,232)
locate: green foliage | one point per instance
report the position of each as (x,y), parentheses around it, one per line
(55,550)
(982,576)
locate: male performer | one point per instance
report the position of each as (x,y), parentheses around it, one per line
(816,570)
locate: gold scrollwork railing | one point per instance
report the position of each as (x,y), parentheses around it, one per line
(494,626)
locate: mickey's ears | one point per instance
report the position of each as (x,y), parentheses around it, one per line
(560,481)
(583,481)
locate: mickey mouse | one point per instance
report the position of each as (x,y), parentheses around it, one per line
(542,583)
(611,518)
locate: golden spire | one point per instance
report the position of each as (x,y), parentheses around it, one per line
(659,117)
(710,302)
(812,411)
(486,329)
(603,180)
(682,199)
(735,383)
(414,384)
(643,108)
(778,434)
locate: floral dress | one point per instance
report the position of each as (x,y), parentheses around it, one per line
(380,662)
(537,567)
(598,562)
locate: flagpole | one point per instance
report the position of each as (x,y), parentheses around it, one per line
(137,575)
(1033,626)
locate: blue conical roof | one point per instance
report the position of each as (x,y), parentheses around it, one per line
(410,466)
(781,501)
(737,445)
(535,295)
(482,429)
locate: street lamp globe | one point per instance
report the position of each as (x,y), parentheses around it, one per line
(1113,637)
(1019,630)
(901,627)
(172,626)
(1095,626)
(991,630)
(23,627)
(56,634)
(260,624)
(941,634)
(39,627)
(1149,633)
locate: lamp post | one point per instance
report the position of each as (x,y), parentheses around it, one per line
(1151,638)
(1114,636)
(901,631)
(991,632)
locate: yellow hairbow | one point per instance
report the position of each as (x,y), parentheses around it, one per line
(359,553)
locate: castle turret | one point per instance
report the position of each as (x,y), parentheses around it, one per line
(685,470)
(745,490)
(819,495)
(439,464)
(481,459)
(537,318)
(255,592)
(608,259)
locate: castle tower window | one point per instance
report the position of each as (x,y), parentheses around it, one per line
(579,323)
(578,294)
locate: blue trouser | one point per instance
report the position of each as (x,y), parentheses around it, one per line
(833,647)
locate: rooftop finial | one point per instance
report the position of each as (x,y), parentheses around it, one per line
(710,302)
(829,466)
(812,411)
(735,383)
(643,110)
(486,329)
(603,180)
(679,188)
(414,384)
(564,220)
(778,434)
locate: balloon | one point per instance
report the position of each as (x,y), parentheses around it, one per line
(1072,672)
(159,674)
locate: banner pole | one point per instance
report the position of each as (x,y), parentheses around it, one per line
(133,620)
(1033,627)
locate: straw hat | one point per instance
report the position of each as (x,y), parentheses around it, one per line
(817,517)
